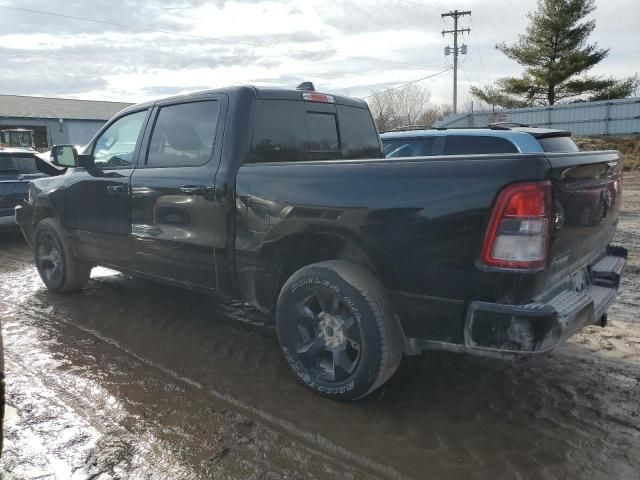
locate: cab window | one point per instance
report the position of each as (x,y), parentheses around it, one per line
(184,135)
(115,146)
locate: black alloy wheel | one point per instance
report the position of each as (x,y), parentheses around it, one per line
(49,260)
(59,269)
(337,329)
(327,338)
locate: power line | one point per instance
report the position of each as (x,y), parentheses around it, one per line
(422,5)
(466,77)
(475,39)
(406,84)
(472,65)
(200,37)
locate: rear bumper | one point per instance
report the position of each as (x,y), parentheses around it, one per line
(519,330)
(541,326)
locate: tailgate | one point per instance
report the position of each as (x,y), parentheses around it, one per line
(587,188)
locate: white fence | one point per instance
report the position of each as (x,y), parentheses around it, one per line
(606,117)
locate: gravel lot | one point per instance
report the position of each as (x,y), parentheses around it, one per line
(131,379)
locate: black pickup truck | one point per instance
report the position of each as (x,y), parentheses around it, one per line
(282,198)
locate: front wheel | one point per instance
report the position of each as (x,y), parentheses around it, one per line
(58,267)
(337,329)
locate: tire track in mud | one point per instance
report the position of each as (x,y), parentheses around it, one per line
(118,437)
(468,439)
(315,440)
(627,305)
(86,444)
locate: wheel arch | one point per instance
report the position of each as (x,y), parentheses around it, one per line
(40,212)
(289,253)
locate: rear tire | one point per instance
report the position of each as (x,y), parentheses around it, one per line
(337,330)
(59,269)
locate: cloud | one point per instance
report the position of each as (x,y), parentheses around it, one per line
(48,83)
(352,16)
(354,46)
(141,13)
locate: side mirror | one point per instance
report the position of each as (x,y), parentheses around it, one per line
(64,156)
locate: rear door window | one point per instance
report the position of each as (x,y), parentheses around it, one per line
(322,136)
(408,147)
(358,133)
(474,145)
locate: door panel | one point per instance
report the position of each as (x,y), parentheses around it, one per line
(99,213)
(98,202)
(173,193)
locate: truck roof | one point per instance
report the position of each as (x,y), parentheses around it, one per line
(267,93)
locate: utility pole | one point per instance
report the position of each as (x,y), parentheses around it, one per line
(455,15)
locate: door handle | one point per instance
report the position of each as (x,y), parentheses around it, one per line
(116,189)
(193,190)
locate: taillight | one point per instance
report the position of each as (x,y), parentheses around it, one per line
(518,233)
(318,97)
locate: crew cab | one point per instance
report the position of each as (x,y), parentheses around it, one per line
(282,199)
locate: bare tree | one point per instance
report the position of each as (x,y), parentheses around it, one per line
(410,105)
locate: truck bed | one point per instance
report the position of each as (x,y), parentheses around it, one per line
(422,221)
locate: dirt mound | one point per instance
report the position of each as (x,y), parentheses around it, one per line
(629,145)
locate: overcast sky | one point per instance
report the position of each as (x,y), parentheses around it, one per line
(350,47)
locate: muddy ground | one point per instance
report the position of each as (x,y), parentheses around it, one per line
(131,379)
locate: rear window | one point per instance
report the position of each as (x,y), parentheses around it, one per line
(358,132)
(477,145)
(322,132)
(293,131)
(408,147)
(17,165)
(558,144)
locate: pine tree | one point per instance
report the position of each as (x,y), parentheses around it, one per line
(555,53)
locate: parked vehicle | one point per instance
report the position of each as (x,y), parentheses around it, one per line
(18,166)
(281,198)
(496,138)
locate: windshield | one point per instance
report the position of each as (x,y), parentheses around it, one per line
(17,165)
